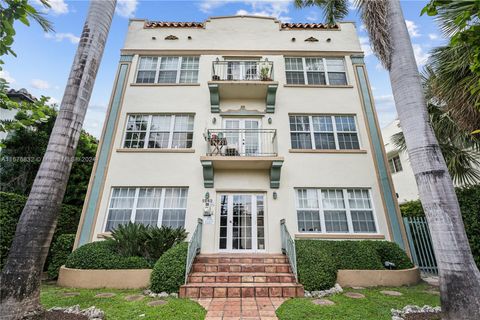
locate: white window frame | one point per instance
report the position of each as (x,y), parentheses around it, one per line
(149,126)
(135,203)
(347,209)
(324,60)
(393,165)
(335,131)
(157,69)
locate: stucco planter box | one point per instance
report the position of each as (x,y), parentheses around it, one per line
(96,279)
(378,278)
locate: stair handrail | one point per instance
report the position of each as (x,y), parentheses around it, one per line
(288,247)
(194,246)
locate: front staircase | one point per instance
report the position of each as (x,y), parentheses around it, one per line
(241,276)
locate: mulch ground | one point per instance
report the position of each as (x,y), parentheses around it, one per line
(58,315)
(423,316)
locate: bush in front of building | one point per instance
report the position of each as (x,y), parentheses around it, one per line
(10,210)
(60,249)
(169,272)
(469,201)
(103,255)
(149,242)
(319,260)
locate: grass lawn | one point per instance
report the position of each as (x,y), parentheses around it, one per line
(375,306)
(118,308)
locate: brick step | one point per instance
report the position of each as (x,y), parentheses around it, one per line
(240,277)
(240,290)
(239,267)
(242,259)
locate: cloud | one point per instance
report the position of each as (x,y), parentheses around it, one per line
(263,8)
(365,43)
(53,101)
(312,16)
(57,7)
(126,8)
(6,75)
(63,36)
(433,36)
(40,84)
(385,106)
(412,29)
(420,55)
(94,119)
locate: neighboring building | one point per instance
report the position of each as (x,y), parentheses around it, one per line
(399,165)
(21,95)
(262,120)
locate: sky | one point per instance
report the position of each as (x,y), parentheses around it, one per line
(44,60)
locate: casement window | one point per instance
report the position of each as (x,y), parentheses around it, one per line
(324,132)
(147,206)
(163,131)
(395,164)
(167,70)
(316,71)
(335,211)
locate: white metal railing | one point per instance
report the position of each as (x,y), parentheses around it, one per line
(288,247)
(242,142)
(242,70)
(194,247)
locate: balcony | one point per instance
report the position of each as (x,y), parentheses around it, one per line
(247,149)
(242,79)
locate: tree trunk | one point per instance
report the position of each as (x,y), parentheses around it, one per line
(459,276)
(20,278)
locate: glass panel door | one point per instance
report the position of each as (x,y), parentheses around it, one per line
(242,222)
(243,137)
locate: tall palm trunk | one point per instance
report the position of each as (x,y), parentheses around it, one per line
(20,278)
(459,276)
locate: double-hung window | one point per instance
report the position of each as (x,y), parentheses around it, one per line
(395,164)
(335,211)
(168,69)
(147,206)
(161,131)
(324,132)
(315,71)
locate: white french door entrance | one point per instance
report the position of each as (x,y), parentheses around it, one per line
(242,222)
(243,136)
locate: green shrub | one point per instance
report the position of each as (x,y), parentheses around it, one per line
(11,206)
(318,260)
(102,255)
(469,200)
(317,269)
(150,242)
(169,272)
(60,250)
(391,252)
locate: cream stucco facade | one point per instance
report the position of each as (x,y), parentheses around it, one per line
(267,104)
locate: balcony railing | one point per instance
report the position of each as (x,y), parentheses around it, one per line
(242,71)
(241,142)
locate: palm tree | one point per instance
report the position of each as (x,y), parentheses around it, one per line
(459,276)
(20,277)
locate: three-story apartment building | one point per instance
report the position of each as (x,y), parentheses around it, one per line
(242,121)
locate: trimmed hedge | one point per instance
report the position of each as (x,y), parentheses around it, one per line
(102,255)
(319,260)
(469,200)
(169,272)
(10,210)
(61,249)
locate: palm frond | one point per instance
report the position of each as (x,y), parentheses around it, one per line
(333,10)
(374,15)
(451,12)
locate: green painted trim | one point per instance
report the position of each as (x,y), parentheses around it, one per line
(126,58)
(271,97)
(385,185)
(275,172)
(214,98)
(102,160)
(208,173)
(357,59)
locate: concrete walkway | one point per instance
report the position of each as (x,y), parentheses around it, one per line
(240,308)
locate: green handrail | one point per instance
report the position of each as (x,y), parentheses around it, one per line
(194,247)
(288,247)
